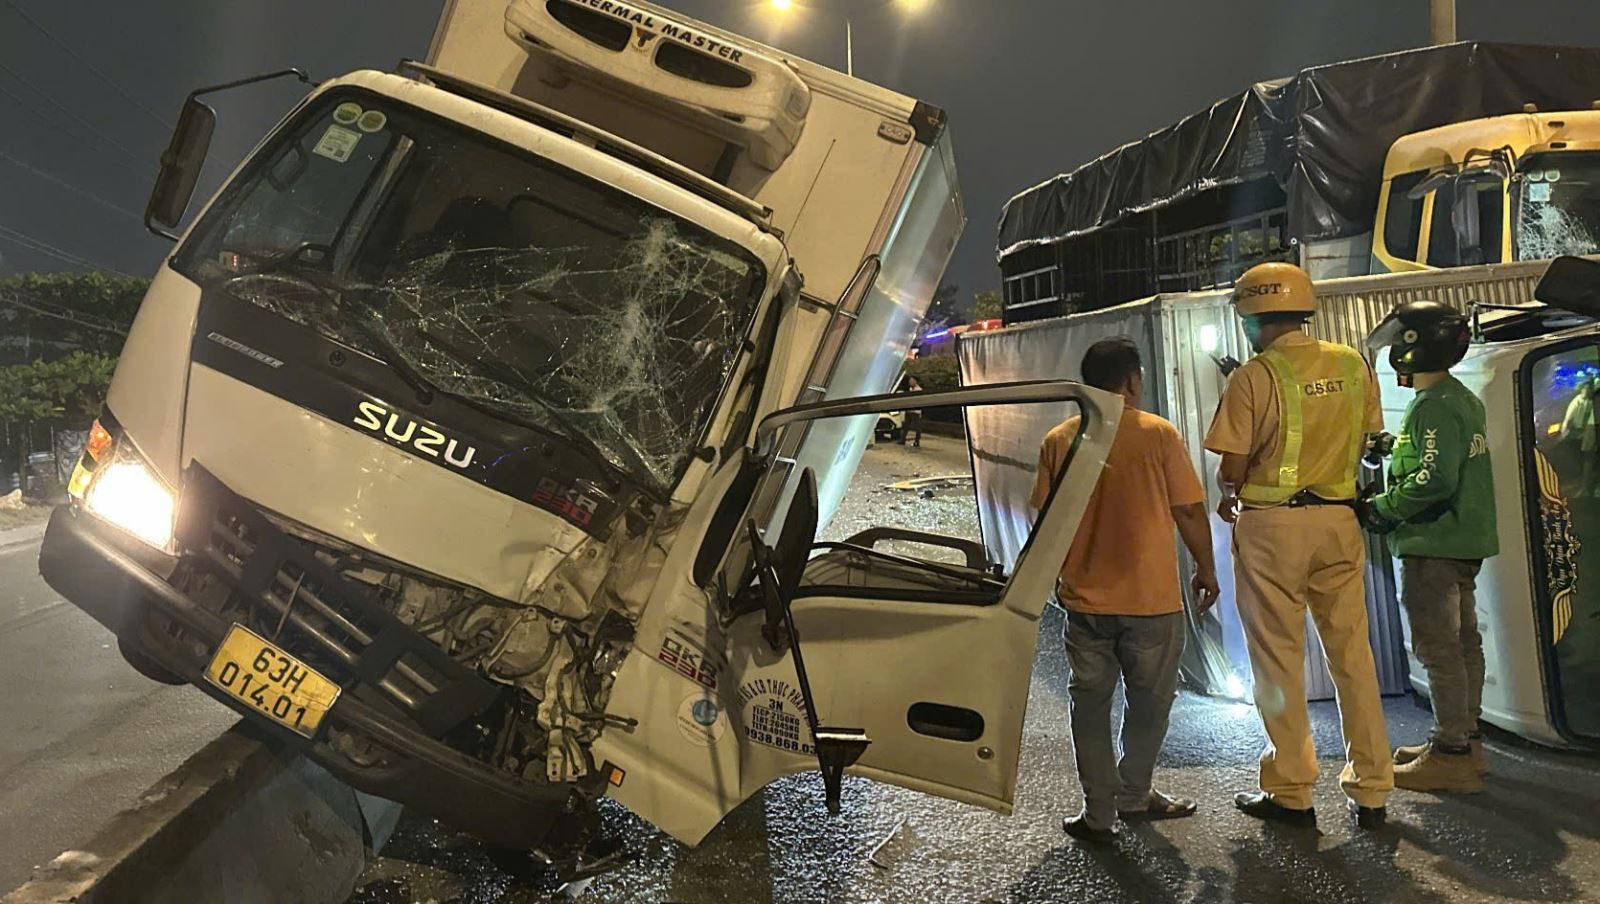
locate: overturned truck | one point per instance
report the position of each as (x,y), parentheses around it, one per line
(1535,365)
(475,436)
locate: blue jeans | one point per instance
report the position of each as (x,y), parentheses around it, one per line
(1142,652)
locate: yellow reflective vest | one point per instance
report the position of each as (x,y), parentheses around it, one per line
(1321,389)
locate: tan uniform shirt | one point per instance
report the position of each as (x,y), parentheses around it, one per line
(1247,420)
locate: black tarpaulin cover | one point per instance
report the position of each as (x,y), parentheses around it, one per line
(1322,135)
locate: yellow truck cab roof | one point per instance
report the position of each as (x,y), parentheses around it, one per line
(1522,132)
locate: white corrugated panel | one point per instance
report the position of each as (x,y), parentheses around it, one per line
(1005,439)
(1348,309)
(1183,384)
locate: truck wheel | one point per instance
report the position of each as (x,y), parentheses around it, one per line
(146,666)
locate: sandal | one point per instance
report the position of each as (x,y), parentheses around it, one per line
(1160,806)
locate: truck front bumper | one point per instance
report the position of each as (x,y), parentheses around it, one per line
(124,586)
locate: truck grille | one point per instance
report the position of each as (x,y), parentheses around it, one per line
(294,597)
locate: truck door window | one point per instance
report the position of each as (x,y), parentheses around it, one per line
(1466,226)
(1490,205)
(1564,481)
(309,189)
(924,542)
(1402,219)
(1556,205)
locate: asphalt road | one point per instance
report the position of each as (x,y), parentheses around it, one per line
(81,733)
(1534,835)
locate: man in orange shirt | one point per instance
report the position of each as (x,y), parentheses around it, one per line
(1120,588)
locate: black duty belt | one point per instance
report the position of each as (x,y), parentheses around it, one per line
(1306,497)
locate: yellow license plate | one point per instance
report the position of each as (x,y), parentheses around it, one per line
(277,685)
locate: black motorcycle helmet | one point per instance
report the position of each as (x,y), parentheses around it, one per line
(1423,337)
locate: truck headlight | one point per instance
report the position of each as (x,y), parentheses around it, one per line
(113,482)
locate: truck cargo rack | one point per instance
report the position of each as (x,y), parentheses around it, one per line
(605,142)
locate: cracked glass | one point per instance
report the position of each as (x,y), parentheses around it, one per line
(1557,208)
(528,290)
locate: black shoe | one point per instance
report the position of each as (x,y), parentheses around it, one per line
(1079,828)
(1369,818)
(1261,805)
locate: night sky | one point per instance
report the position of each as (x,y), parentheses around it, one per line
(89,89)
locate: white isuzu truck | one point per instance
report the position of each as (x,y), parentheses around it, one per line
(475,436)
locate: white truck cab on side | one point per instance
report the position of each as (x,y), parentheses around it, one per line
(475,436)
(1537,370)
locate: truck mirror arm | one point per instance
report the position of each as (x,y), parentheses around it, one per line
(186,154)
(837,748)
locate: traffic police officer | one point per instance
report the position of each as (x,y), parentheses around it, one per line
(1291,428)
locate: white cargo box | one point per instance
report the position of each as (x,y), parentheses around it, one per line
(859,180)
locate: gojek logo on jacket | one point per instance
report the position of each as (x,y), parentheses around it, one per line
(1430,454)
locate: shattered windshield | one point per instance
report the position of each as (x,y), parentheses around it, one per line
(1558,205)
(528,290)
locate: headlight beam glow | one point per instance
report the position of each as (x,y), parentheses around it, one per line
(130,496)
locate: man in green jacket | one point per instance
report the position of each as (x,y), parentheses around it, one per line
(1439,514)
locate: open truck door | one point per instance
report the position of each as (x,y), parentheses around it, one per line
(907,670)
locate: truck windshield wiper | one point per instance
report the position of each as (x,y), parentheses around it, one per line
(334,293)
(397,362)
(563,426)
(300,254)
(338,295)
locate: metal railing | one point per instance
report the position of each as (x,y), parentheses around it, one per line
(1216,254)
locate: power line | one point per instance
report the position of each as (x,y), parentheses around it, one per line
(99,327)
(62,312)
(64,130)
(36,244)
(72,259)
(69,186)
(63,108)
(40,245)
(88,65)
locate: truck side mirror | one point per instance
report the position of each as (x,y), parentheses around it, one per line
(180,168)
(186,154)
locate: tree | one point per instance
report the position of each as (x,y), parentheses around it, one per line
(59,337)
(940,372)
(44,316)
(67,392)
(987,305)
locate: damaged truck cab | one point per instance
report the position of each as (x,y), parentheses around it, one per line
(475,437)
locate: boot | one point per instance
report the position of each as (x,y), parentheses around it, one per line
(1404,755)
(1434,769)
(1370,818)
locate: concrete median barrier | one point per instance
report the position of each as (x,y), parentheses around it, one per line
(240,821)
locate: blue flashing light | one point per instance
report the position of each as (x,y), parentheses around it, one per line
(1567,376)
(936,335)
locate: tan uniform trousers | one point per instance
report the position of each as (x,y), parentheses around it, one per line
(1287,560)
